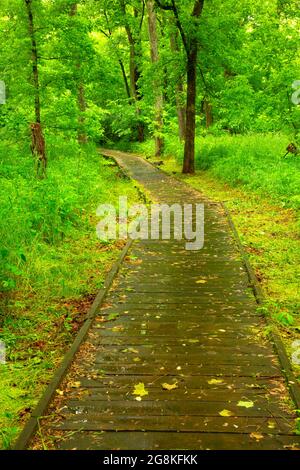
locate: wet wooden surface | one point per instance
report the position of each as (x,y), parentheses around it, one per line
(182,318)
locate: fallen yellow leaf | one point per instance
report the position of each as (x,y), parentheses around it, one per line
(75,384)
(226,413)
(245,404)
(215,381)
(140,390)
(256,435)
(169,387)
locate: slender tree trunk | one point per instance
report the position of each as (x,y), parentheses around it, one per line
(189,147)
(134,70)
(109,35)
(38,141)
(81,103)
(158,128)
(179,91)
(82,137)
(191,48)
(181,111)
(126,84)
(207,109)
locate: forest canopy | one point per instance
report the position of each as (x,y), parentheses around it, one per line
(118,70)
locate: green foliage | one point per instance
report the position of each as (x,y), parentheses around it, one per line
(38,215)
(51,264)
(254,161)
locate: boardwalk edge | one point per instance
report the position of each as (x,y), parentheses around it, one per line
(278,344)
(33,422)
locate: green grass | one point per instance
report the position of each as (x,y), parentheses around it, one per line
(261,191)
(52,264)
(254,162)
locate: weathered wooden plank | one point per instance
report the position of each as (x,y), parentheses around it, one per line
(190,349)
(200,382)
(211,424)
(215,309)
(144,326)
(93,410)
(176,441)
(163,340)
(208,368)
(206,357)
(180,393)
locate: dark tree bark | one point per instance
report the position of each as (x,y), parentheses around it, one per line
(38,149)
(179,90)
(126,84)
(208,112)
(189,145)
(37,137)
(190,43)
(158,127)
(82,137)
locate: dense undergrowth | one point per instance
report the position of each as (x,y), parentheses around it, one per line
(51,264)
(253,162)
(261,190)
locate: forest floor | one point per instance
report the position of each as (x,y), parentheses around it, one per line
(50,287)
(177,356)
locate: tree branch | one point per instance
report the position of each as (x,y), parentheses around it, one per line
(179,26)
(105,33)
(142,16)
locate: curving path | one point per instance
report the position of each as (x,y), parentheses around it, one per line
(181,329)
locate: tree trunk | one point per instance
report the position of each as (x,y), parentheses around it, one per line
(134,70)
(181,112)
(81,134)
(38,141)
(126,84)
(189,147)
(207,108)
(158,127)
(109,35)
(179,90)
(82,137)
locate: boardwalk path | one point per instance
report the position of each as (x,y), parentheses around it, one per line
(177,317)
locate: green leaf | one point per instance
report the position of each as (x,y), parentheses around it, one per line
(113,316)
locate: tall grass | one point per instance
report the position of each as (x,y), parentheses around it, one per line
(254,161)
(39,217)
(51,263)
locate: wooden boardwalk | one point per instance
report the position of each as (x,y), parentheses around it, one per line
(182,320)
